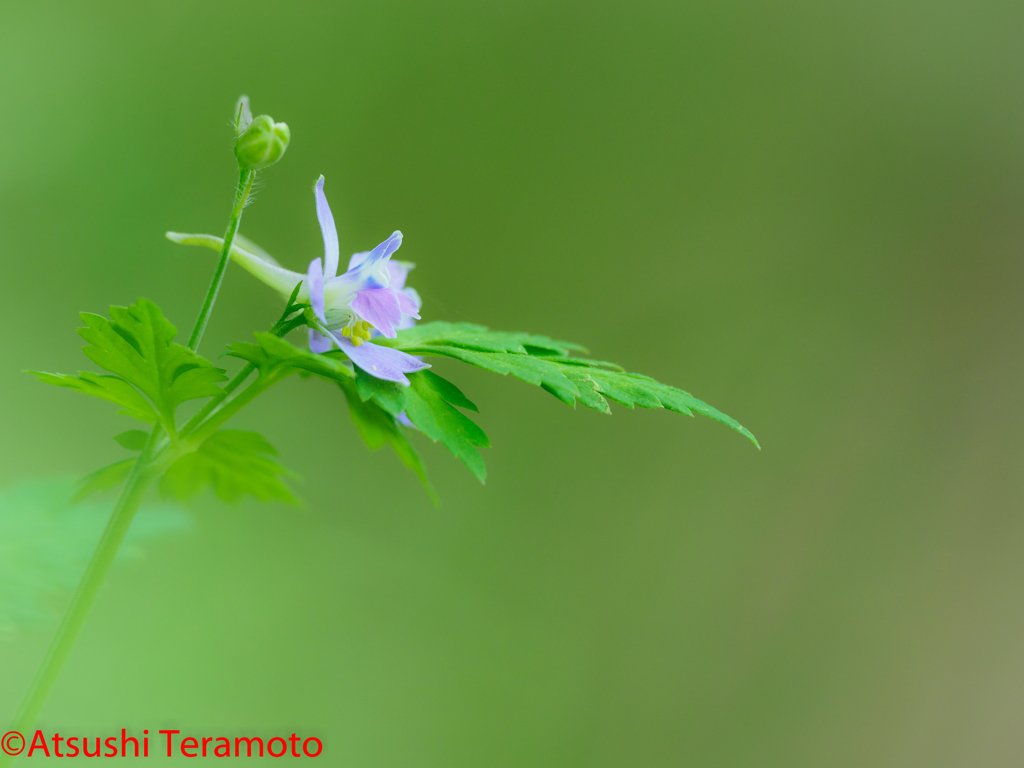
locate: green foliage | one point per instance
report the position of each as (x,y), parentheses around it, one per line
(548,363)
(137,345)
(153,375)
(373,403)
(233,463)
(378,427)
(479,337)
(111,388)
(430,403)
(272,353)
(104,479)
(133,439)
(46,539)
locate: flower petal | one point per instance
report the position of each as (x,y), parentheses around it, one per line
(357,259)
(381,362)
(372,271)
(407,304)
(327,228)
(319,343)
(315,286)
(399,271)
(380,307)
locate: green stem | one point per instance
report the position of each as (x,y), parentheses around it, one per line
(203,424)
(229,409)
(211,406)
(146,469)
(245,180)
(95,574)
(285,328)
(157,453)
(282,328)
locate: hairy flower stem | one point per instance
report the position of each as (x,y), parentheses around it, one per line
(95,574)
(245,180)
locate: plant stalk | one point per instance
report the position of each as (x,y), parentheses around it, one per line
(282,328)
(146,469)
(230,408)
(95,574)
(245,180)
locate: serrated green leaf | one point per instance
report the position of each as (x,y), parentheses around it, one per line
(540,361)
(233,463)
(377,427)
(137,345)
(540,371)
(133,439)
(588,394)
(450,393)
(389,395)
(471,336)
(428,407)
(111,388)
(105,478)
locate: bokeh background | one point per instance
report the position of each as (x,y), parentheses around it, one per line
(808,214)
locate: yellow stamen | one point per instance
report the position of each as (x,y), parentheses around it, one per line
(346,331)
(357,341)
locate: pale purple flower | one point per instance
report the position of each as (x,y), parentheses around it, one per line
(370,296)
(367,300)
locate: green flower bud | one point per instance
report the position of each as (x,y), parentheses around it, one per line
(262,143)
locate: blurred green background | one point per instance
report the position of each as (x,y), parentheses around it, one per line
(808,214)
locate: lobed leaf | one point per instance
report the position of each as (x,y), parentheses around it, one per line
(549,364)
(539,371)
(389,395)
(136,343)
(429,403)
(232,463)
(111,388)
(479,337)
(378,427)
(104,479)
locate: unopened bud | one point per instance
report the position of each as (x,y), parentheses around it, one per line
(262,143)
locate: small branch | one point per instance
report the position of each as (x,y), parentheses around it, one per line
(229,409)
(281,328)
